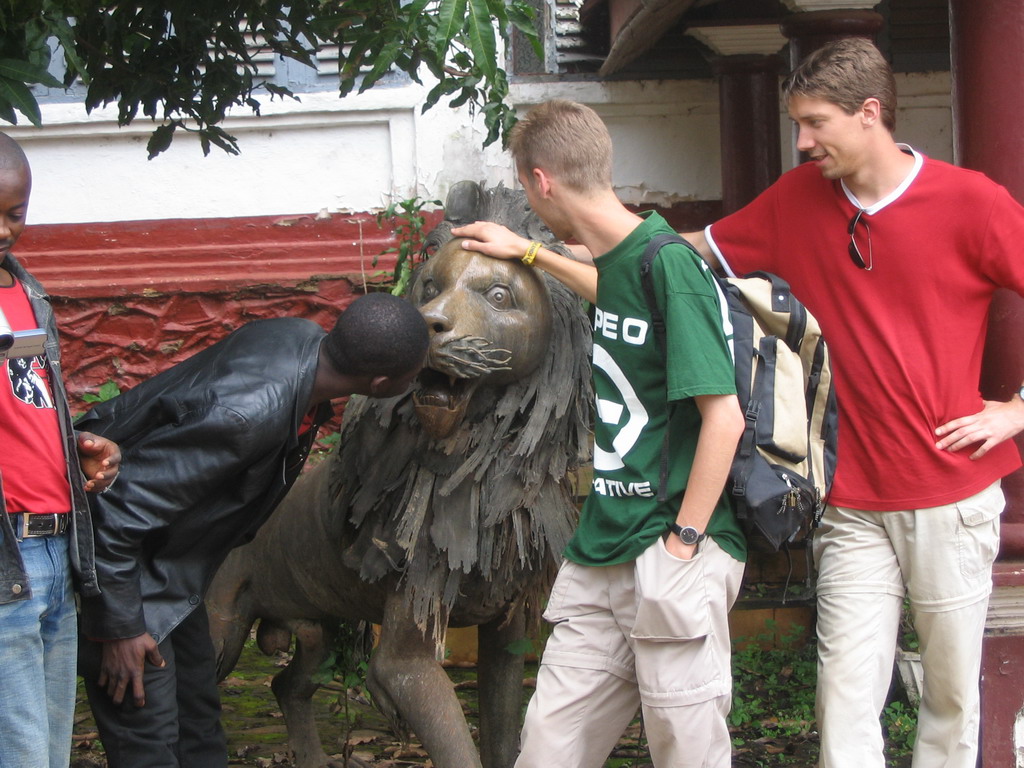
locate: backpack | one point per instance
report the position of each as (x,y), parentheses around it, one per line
(786,457)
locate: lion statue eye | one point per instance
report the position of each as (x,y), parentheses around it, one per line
(500,297)
(428,291)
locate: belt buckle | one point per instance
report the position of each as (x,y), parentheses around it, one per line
(39,525)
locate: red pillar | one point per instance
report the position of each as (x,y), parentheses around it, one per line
(748,88)
(987,48)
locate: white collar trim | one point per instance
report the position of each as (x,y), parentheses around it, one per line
(895,194)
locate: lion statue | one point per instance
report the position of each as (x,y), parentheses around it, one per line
(445,507)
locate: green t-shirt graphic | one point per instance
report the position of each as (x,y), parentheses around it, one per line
(638,390)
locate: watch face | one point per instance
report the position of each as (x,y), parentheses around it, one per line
(689,535)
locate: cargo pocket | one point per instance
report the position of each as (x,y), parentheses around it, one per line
(977,532)
(672,598)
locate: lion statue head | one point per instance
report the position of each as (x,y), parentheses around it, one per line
(490,325)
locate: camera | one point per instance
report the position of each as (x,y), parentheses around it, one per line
(20,343)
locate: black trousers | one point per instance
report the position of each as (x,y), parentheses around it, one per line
(179,726)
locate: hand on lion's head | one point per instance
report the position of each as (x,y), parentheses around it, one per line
(490,324)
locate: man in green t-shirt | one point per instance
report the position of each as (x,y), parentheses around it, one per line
(641,602)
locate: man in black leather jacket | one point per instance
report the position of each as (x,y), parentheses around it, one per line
(209,447)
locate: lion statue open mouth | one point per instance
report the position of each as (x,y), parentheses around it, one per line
(454,369)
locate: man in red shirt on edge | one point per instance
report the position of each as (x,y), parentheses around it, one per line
(897,255)
(45,528)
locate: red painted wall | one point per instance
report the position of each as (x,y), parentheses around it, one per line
(133,298)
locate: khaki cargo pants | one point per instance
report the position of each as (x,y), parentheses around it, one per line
(941,559)
(652,633)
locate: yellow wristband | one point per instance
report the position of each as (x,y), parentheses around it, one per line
(531,253)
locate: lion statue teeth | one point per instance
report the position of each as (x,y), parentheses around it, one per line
(445,507)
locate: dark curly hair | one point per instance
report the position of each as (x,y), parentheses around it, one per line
(379,335)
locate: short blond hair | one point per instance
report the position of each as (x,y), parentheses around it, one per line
(846,72)
(566,139)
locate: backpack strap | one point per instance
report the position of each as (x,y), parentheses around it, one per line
(826,432)
(658,326)
(742,466)
(647,282)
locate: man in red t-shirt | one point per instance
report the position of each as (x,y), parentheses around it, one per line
(897,255)
(45,528)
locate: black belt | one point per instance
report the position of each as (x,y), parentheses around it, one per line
(52,524)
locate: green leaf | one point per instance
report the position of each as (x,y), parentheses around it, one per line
(14,69)
(414,13)
(278,91)
(450,16)
(221,138)
(480,31)
(381,64)
(160,139)
(524,19)
(37,48)
(462,98)
(497,10)
(17,94)
(109,390)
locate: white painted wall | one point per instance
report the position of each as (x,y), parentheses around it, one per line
(355,154)
(1018,740)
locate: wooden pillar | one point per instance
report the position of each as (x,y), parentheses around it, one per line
(987,47)
(810,30)
(751,154)
(1002,670)
(747,66)
(987,52)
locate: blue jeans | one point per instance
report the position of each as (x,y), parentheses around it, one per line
(38,651)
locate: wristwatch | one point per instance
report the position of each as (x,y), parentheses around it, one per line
(1020,392)
(688,535)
